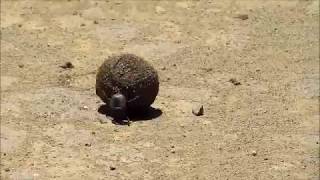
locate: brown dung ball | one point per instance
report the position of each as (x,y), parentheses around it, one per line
(131,76)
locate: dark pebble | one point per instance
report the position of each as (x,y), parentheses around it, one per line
(234,82)
(243,16)
(112,168)
(67,65)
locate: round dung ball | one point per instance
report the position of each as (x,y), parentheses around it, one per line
(131,76)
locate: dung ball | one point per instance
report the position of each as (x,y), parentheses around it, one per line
(131,76)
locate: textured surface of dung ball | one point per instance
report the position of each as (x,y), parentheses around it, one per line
(131,76)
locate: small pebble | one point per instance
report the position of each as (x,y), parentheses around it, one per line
(242,16)
(95,22)
(112,168)
(67,65)
(82,25)
(21,65)
(104,120)
(198,110)
(87,144)
(265,159)
(234,82)
(254,153)
(7,169)
(160,9)
(85,107)
(173,151)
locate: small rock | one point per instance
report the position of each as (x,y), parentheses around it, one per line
(234,82)
(198,110)
(95,22)
(254,153)
(7,169)
(87,144)
(173,151)
(85,108)
(112,168)
(172,146)
(163,68)
(104,120)
(20,25)
(21,65)
(82,25)
(266,159)
(242,16)
(67,65)
(160,9)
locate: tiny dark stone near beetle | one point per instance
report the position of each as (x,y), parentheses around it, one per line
(242,16)
(67,65)
(198,110)
(234,82)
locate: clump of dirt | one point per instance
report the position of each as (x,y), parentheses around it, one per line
(131,76)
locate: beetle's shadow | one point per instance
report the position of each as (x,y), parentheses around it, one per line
(145,115)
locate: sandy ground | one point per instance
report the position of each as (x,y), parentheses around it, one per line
(265,128)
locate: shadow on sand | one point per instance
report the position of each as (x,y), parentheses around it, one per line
(145,115)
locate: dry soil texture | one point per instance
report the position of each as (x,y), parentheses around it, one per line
(266,127)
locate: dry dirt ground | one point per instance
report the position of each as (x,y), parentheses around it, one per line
(265,128)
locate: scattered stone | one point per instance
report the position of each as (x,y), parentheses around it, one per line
(173,151)
(95,22)
(112,168)
(254,153)
(198,110)
(163,68)
(85,108)
(67,65)
(105,120)
(21,65)
(172,146)
(160,9)
(234,82)
(87,144)
(82,25)
(266,159)
(20,25)
(242,16)
(7,169)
